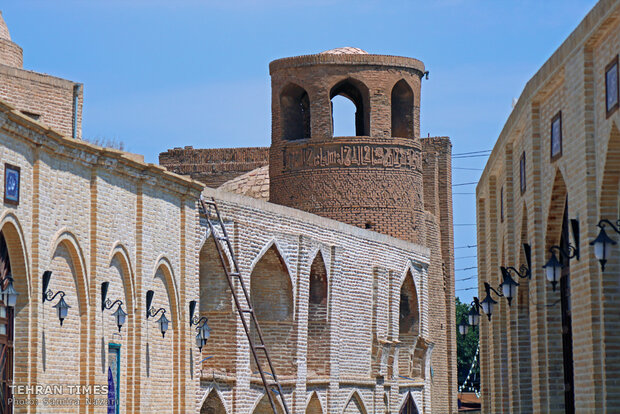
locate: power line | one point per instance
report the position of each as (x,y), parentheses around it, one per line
(465,257)
(468,169)
(460,184)
(466,278)
(471,152)
(471,288)
(468,268)
(466,247)
(459,157)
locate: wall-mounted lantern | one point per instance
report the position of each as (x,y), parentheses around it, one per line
(119,315)
(61,307)
(8,294)
(474,312)
(151,313)
(202,329)
(553,267)
(488,302)
(463,327)
(602,244)
(509,285)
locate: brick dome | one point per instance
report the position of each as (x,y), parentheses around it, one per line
(4,30)
(345,51)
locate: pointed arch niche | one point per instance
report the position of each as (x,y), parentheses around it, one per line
(355,405)
(410,364)
(318,332)
(264,407)
(356,92)
(271,292)
(314,405)
(213,404)
(216,304)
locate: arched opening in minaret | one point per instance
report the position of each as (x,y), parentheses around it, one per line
(402,110)
(347,119)
(294,112)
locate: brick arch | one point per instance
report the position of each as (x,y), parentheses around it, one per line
(408,328)
(213,403)
(164,354)
(318,327)
(314,405)
(11,229)
(262,406)
(357,92)
(164,265)
(295,115)
(408,404)
(215,303)
(556,211)
(68,268)
(523,323)
(68,240)
(273,244)
(271,292)
(119,252)
(402,102)
(355,404)
(610,209)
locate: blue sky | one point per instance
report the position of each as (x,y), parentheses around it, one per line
(160,74)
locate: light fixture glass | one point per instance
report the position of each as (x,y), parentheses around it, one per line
(199,341)
(9,295)
(463,328)
(120,316)
(62,309)
(205,331)
(553,269)
(602,244)
(508,285)
(474,317)
(163,324)
(488,304)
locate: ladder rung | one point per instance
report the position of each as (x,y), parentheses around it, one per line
(247,310)
(210,202)
(235,274)
(222,238)
(263,347)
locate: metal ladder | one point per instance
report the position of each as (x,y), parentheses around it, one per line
(224,239)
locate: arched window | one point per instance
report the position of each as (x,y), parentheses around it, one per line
(357,93)
(318,333)
(314,406)
(402,110)
(264,407)
(294,113)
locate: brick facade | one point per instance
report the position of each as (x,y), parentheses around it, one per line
(214,166)
(525,351)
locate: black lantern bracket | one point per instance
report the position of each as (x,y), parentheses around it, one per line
(573,249)
(196,319)
(525,270)
(107,303)
(151,312)
(48,295)
(603,242)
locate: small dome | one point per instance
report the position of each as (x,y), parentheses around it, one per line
(345,51)
(4,31)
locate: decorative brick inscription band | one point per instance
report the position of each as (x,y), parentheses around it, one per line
(342,155)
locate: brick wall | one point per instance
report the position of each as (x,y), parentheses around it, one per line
(530,375)
(214,166)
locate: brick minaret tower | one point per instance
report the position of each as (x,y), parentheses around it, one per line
(372,180)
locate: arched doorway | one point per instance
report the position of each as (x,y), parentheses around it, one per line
(6,333)
(357,93)
(409,406)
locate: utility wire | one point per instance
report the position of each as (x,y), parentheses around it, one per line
(471,288)
(460,157)
(461,184)
(466,247)
(466,278)
(471,152)
(468,268)
(465,257)
(468,169)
